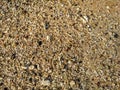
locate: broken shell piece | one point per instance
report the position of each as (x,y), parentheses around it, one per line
(84,19)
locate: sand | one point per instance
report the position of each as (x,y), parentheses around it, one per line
(59,44)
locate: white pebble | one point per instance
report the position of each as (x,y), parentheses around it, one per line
(24,67)
(48,38)
(72,83)
(31,67)
(45,82)
(84,19)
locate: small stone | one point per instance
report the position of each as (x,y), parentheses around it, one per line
(6,88)
(45,82)
(13,87)
(24,67)
(30,33)
(1,83)
(62,5)
(39,43)
(1,78)
(48,38)
(13,56)
(107,7)
(30,80)
(47,25)
(35,66)
(69,62)
(61,84)
(116,35)
(72,83)
(31,67)
(49,71)
(49,78)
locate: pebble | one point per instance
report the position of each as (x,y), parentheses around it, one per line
(48,38)
(39,43)
(107,7)
(116,35)
(31,67)
(45,82)
(24,67)
(47,25)
(84,19)
(72,83)
(1,78)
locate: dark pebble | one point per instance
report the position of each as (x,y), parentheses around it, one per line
(98,84)
(35,66)
(80,61)
(66,66)
(39,43)
(49,78)
(30,79)
(8,1)
(47,25)
(116,35)
(13,56)
(25,12)
(1,84)
(33,88)
(6,88)
(34,72)
(77,80)
(16,43)
(40,74)
(70,89)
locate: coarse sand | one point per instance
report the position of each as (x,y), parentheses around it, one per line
(59,44)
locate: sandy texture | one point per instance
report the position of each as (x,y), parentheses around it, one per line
(59,44)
